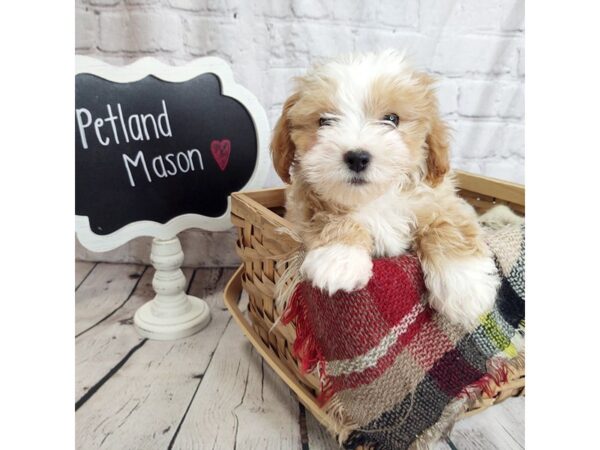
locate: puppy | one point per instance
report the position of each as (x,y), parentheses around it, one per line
(363,147)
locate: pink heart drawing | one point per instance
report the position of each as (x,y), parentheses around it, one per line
(221,151)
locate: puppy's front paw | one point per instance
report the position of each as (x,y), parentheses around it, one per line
(463,289)
(338,267)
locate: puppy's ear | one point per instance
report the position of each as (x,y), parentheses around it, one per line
(437,138)
(438,157)
(282,146)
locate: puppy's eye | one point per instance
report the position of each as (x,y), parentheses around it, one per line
(326,121)
(392,118)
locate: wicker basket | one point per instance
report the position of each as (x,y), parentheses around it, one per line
(263,250)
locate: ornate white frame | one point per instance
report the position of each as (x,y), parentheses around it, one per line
(150,66)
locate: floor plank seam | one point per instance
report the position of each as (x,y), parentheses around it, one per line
(262,380)
(172,442)
(190,281)
(118,307)
(201,377)
(86,276)
(451,444)
(304,439)
(511,436)
(92,390)
(237,420)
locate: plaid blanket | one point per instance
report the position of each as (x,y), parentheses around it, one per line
(394,373)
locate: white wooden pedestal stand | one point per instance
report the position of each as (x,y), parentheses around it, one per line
(172,314)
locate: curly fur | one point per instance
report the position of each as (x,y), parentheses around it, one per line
(404,200)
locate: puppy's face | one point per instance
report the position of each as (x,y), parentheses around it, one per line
(355,128)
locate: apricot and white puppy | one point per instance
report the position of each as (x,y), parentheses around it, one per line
(362,143)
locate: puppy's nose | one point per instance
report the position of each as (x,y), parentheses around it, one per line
(357,160)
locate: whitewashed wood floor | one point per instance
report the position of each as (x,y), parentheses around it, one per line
(208,391)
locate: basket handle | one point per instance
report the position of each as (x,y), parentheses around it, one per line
(231,296)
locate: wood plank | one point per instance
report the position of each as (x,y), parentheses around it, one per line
(142,405)
(270,404)
(101,349)
(442,445)
(483,203)
(505,190)
(82,270)
(318,437)
(208,284)
(499,427)
(103,292)
(241,403)
(232,291)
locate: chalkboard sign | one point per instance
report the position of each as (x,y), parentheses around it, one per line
(159,148)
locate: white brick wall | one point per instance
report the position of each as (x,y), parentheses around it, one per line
(475,47)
